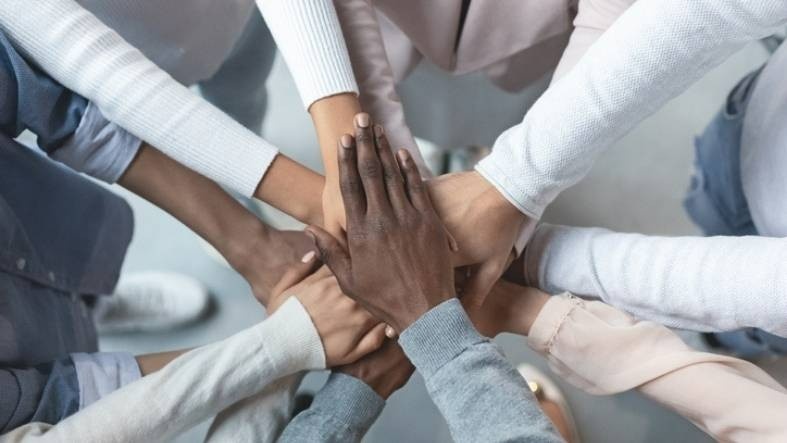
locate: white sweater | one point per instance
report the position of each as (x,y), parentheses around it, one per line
(698,283)
(654,51)
(85,55)
(195,386)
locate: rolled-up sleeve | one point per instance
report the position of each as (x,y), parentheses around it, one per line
(98,148)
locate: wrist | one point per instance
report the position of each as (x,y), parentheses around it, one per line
(293,189)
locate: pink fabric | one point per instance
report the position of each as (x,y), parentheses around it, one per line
(605,351)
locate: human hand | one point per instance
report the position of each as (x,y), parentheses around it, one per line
(261,258)
(484,224)
(347,331)
(384,370)
(396,263)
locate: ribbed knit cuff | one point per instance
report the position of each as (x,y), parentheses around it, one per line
(438,337)
(501,181)
(350,401)
(290,330)
(310,39)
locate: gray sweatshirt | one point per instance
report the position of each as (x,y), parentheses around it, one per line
(482,397)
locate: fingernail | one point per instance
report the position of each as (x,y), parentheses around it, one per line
(362,120)
(403,156)
(390,332)
(308,257)
(378,131)
(346,141)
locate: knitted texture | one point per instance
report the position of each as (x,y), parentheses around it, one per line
(312,46)
(86,56)
(652,53)
(697,283)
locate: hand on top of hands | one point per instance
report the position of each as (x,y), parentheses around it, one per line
(396,262)
(347,331)
(384,370)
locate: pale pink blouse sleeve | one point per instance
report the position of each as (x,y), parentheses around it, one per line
(373,74)
(603,350)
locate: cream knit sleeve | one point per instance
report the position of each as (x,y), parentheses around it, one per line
(83,54)
(193,387)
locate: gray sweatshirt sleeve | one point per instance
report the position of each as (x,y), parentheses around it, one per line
(481,396)
(343,411)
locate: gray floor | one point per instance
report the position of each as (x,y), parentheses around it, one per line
(636,186)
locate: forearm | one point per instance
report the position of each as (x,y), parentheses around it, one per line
(700,283)
(200,383)
(654,51)
(293,189)
(332,118)
(150,363)
(343,411)
(195,200)
(605,351)
(481,396)
(134,93)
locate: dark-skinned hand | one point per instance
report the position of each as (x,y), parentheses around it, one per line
(384,370)
(396,261)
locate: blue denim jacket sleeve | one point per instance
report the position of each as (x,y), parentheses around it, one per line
(45,393)
(31,100)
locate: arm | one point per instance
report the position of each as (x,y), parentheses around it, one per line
(130,90)
(257,252)
(700,283)
(411,288)
(352,399)
(653,52)
(159,406)
(605,351)
(481,396)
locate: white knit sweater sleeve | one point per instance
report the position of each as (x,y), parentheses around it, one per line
(310,39)
(698,283)
(195,386)
(654,51)
(86,56)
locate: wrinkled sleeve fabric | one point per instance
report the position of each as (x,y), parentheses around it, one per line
(194,386)
(605,351)
(697,283)
(374,75)
(86,56)
(342,411)
(480,394)
(653,52)
(45,393)
(31,100)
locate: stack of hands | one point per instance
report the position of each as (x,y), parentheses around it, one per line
(409,227)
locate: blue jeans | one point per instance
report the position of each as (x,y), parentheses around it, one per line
(716,203)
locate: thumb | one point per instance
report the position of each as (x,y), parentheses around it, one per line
(297,272)
(480,283)
(332,253)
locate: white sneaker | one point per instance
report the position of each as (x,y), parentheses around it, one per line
(151,301)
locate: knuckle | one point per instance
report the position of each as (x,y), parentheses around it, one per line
(349,185)
(370,168)
(364,136)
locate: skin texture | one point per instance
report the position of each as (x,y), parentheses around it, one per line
(259,253)
(347,331)
(388,210)
(385,370)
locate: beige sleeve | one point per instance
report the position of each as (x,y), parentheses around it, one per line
(605,351)
(593,18)
(373,74)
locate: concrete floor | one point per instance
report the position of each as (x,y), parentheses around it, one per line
(637,185)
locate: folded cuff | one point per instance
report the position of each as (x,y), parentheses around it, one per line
(439,336)
(102,373)
(550,320)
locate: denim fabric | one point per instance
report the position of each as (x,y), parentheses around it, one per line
(30,99)
(717,204)
(62,239)
(45,393)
